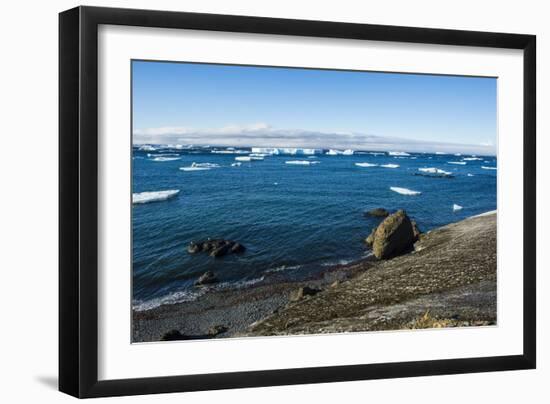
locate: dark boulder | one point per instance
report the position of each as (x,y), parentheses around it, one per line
(206,278)
(194,248)
(302,292)
(172,335)
(378,212)
(416,231)
(216,330)
(395,235)
(220,250)
(237,248)
(370,239)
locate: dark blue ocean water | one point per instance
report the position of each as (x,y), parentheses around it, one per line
(295,220)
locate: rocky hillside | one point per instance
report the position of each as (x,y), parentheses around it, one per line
(448,280)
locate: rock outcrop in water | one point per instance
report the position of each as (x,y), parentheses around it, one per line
(216,248)
(395,235)
(206,278)
(377,212)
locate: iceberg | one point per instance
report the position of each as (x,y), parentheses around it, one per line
(145,197)
(488,168)
(366,165)
(237,164)
(390,165)
(460,163)
(405,191)
(147,147)
(398,153)
(471,158)
(456,207)
(335,152)
(285,150)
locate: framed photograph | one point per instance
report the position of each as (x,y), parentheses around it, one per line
(251,201)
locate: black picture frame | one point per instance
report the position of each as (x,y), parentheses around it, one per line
(78,201)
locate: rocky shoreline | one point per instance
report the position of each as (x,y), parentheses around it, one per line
(447,280)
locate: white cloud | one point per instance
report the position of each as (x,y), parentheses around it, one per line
(262,135)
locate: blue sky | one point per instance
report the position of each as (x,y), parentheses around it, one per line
(188,103)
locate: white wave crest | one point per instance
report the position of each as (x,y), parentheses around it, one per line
(470,175)
(145,197)
(189,295)
(456,207)
(366,165)
(237,164)
(390,165)
(282,268)
(180,296)
(334,263)
(488,168)
(405,191)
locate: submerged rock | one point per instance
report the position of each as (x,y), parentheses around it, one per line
(378,212)
(395,235)
(206,278)
(215,248)
(302,292)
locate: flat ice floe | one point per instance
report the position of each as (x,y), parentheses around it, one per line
(433,170)
(165,159)
(200,167)
(301,162)
(398,153)
(390,165)
(471,158)
(456,207)
(460,163)
(243,158)
(405,191)
(488,168)
(366,165)
(154,196)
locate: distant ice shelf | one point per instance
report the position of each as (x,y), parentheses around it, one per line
(285,150)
